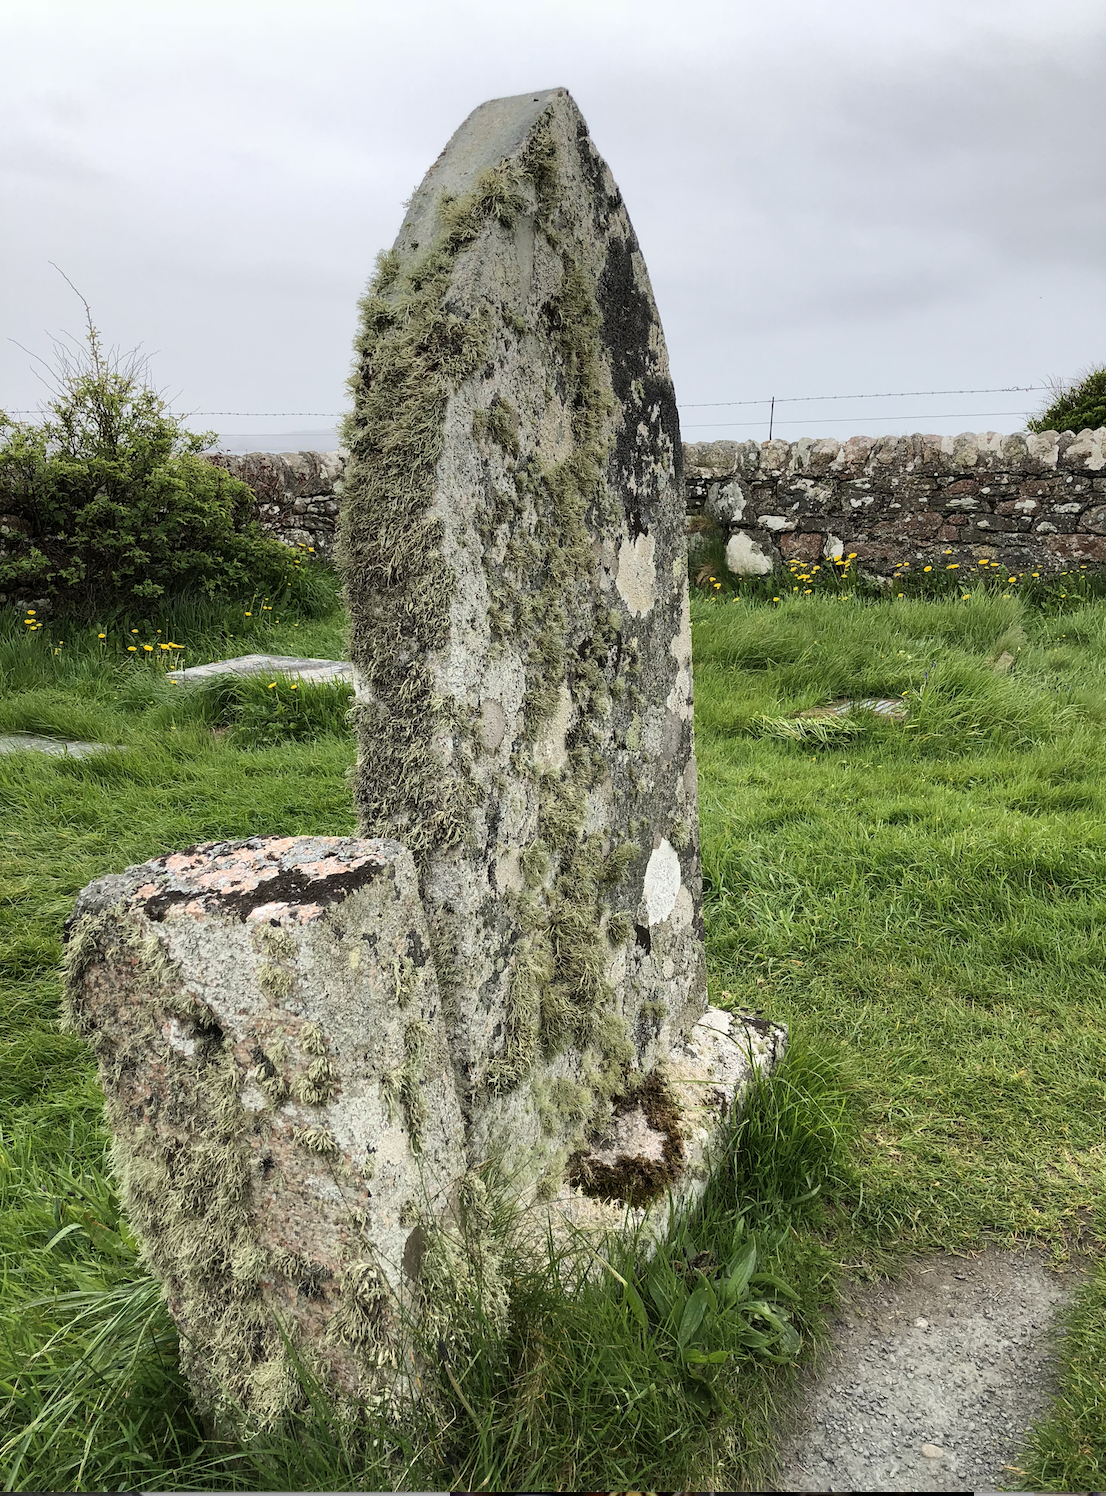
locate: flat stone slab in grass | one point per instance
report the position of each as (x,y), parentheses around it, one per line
(262,664)
(29,742)
(892,707)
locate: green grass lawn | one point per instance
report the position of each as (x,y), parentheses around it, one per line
(924,902)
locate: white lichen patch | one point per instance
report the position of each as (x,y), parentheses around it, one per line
(636,579)
(745,558)
(663,882)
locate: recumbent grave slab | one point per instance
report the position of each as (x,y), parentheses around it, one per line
(316,1051)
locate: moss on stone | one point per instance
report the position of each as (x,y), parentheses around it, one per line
(636,1180)
(413,350)
(275,981)
(315,1140)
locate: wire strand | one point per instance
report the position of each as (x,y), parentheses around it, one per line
(802,420)
(1005,389)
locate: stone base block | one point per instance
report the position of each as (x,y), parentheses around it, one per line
(268,1029)
(658,1152)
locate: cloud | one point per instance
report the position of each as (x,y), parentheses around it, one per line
(857,193)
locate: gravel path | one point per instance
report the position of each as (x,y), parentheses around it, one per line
(933,1379)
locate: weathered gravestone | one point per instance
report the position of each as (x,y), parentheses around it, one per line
(315,1050)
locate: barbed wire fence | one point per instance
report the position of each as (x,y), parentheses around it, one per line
(768,403)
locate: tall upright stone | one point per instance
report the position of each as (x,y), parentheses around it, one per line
(514,552)
(311,1047)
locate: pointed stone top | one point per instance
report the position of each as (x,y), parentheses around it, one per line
(492,134)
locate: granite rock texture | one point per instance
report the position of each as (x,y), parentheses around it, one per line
(268,1028)
(1029,502)
(515,561)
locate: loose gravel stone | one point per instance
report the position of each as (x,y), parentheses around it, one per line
(950,1365)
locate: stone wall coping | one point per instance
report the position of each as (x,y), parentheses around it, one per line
(920,453)
(312,474)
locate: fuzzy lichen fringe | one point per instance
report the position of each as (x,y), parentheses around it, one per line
(413,350)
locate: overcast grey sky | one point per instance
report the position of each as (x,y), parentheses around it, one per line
(833,196)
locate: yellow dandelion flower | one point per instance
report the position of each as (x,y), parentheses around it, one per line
(953,565)
(149,648)
(272,683)
(927,568)
(101,636)
(131,649)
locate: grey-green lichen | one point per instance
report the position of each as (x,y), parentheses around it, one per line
(275,981)
(184,1182)
(413,350)
(462,1278)
(402,1087)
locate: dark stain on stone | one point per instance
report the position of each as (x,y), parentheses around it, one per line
(417,948)
(635,1180)
(643,938)
(761,1025)
(311,1280)
(288,887)
(263,1062)
(628,319)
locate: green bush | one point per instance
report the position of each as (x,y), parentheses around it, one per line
(107,504)
(1075,407)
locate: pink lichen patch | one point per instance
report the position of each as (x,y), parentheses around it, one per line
(181,862)
(328,867)
(296,914)
(276,846)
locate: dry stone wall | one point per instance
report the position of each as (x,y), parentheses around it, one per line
(1031,502)
(1027,501)
(296,493)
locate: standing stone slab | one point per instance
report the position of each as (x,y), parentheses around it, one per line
(513,545)
(286,1129)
